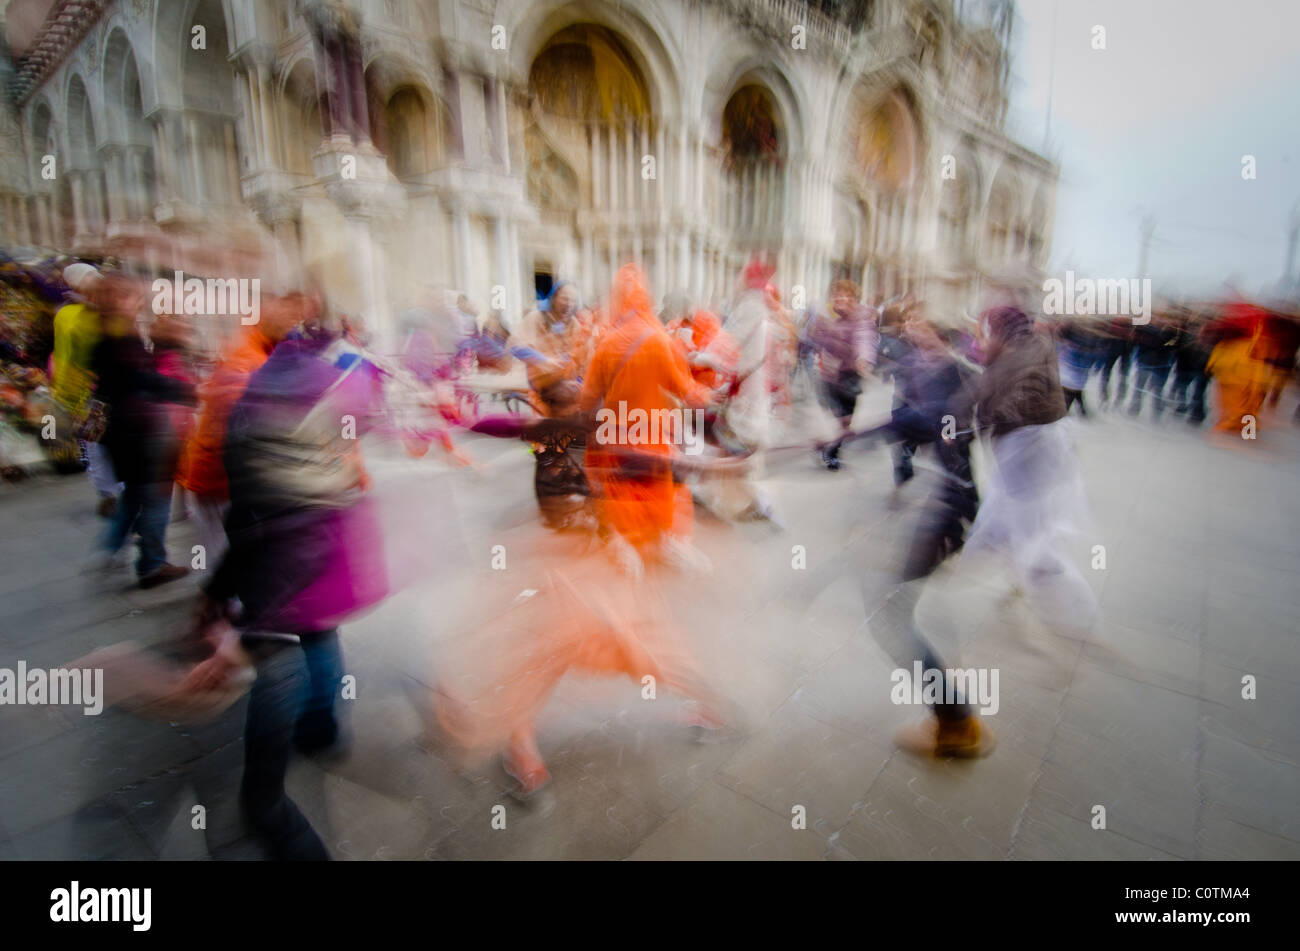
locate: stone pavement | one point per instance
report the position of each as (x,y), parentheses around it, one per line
(1201,588)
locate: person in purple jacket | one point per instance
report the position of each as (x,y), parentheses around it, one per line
(305,554)
(845,348)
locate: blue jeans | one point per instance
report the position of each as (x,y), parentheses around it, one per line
(292,702)
(1189,390)
(1115,359)
(145,508)
(1150,379)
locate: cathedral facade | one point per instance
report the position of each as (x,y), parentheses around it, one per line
(494,146)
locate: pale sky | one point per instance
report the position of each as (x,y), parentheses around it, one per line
(1158,123)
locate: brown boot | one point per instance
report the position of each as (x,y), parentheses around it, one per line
(163,575)
(967,738)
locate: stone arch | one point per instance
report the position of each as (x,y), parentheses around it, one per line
(751,126)
(82,139)
(43,134)
(120,89)
(130,163)
(299,108)
(412,127)
(207,76)
(754,145)
(89,191)
(757,68)
(1001,215)
(584,72)
(210,109)
(173,21)
(885,142)
(590,116)
(533,26)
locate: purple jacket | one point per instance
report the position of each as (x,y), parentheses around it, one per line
(305,546)
(843,341)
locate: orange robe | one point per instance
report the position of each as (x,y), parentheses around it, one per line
(640,506)
(583,614)
(201,469)
(707,336)
(1241,380)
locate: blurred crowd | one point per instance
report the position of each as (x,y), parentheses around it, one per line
(260,444)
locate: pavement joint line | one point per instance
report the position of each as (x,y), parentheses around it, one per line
(1051,740)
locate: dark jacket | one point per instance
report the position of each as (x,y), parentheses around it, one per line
(139,436)
(1156,344)
(1022,385)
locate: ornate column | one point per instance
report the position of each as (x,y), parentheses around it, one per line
(135,157)
(116,185)
(335,31)
(78,198)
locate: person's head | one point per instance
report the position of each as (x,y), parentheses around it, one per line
(564,301)
(844,296)
(1001,325)
(318,321)
(466,306)
(677,305)
(920,332)
(758,272)
(81,278)
(892,317)
(281,314)
(119,299)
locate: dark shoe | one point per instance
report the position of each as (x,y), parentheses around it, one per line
(830,462)
(316,735)
(966,738)
(163,575)
(107,507)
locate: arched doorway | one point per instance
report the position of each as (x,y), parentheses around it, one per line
(82,166)
(754,147)
(208,96)
(881,160)
(588,127)
(128,150)
(300,119)
(49,224)
(412,129)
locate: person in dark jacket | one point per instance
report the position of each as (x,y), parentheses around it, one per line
(1021,385)
(1114,354)
(845,345)
(895,351)
(139,434)
(1155,343)
(934,404)
(1190,379)
(1035,496)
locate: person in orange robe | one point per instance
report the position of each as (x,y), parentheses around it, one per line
(706,347)
(635,366)
(583,614)
(1241,380)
